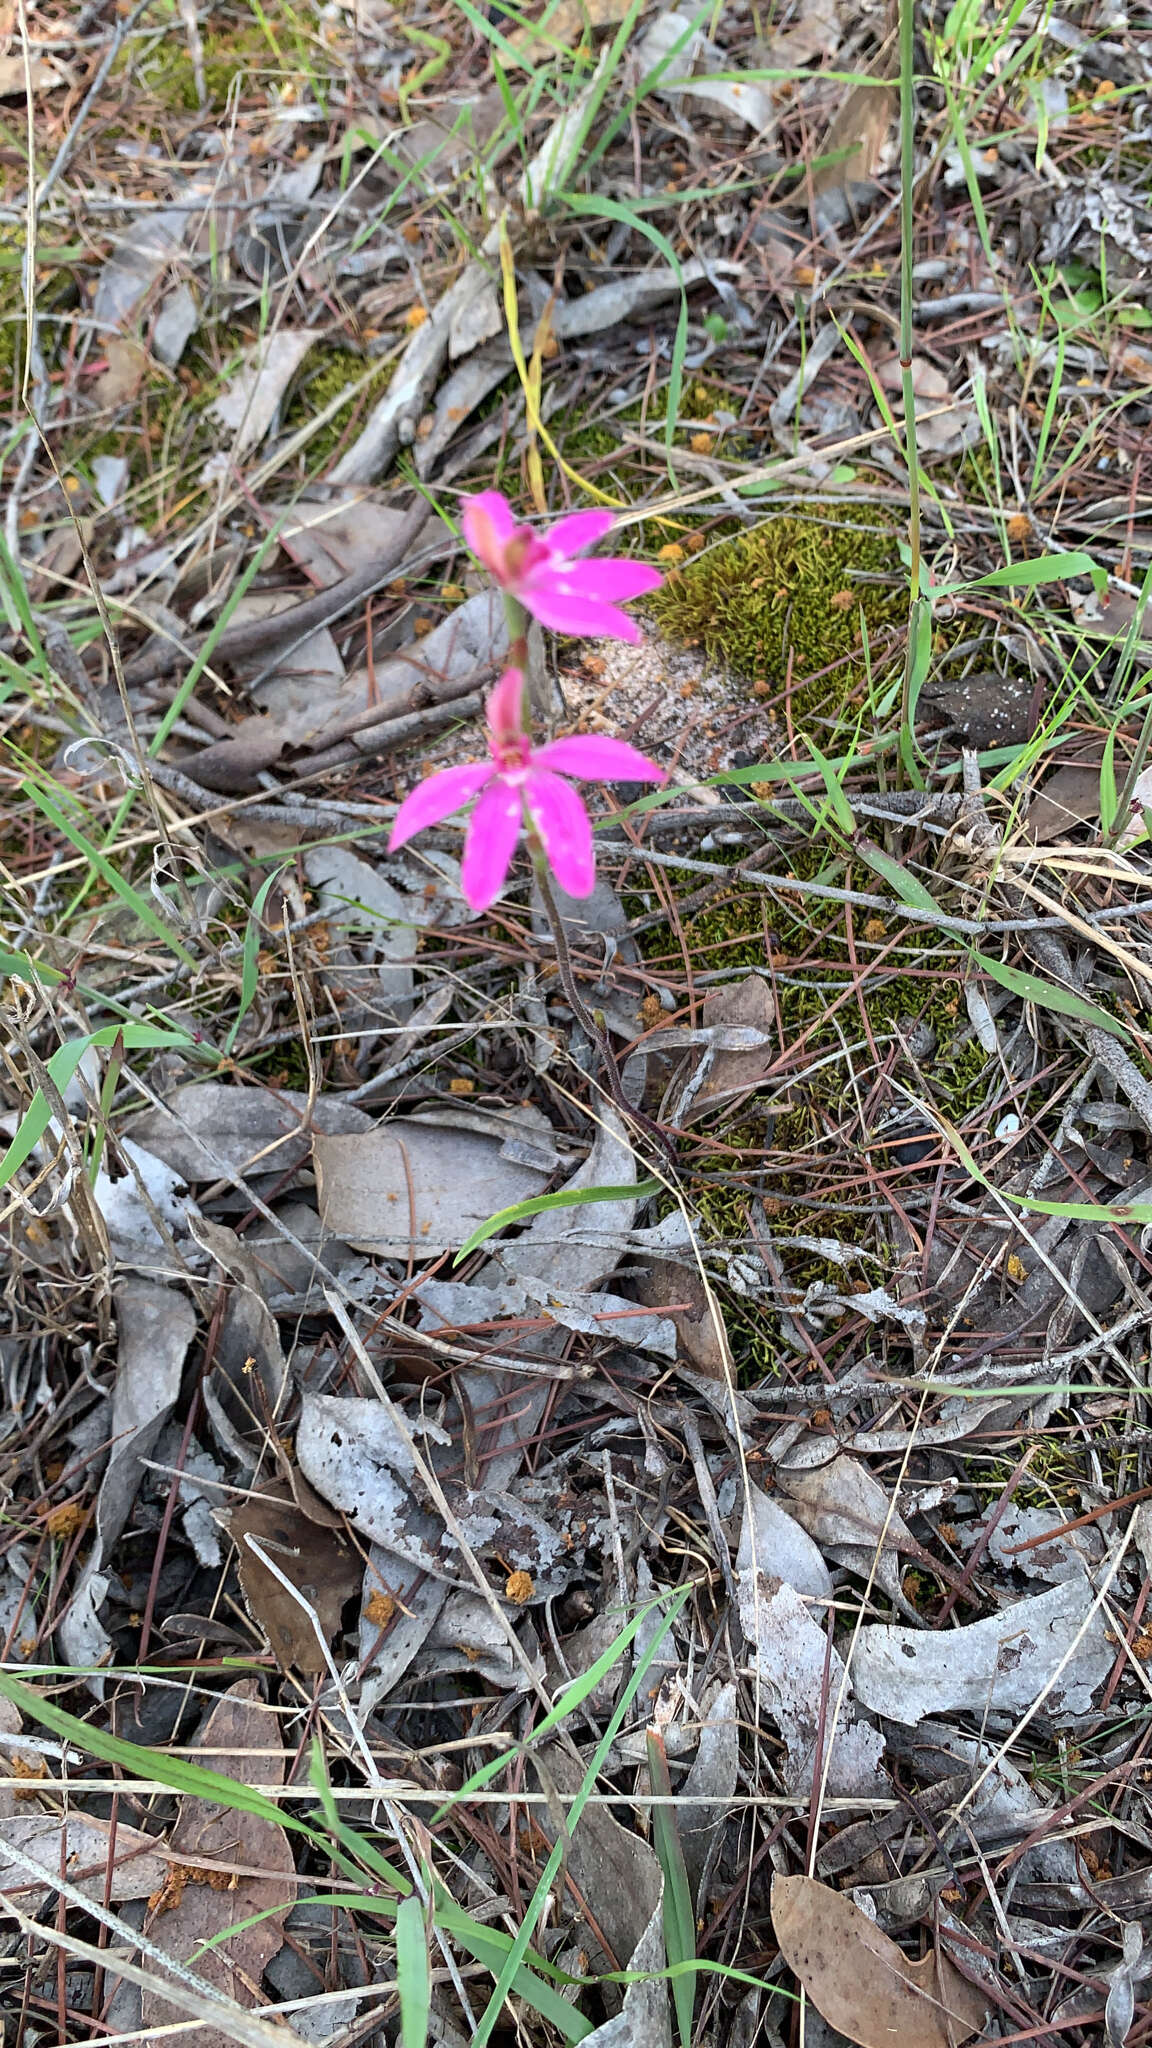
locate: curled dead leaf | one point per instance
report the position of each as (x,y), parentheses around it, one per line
(861,1982)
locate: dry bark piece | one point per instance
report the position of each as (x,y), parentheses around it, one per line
(81,1848)
(318,1560)
(861,1982)
(199,1904)
(733,1075)
(414,1189)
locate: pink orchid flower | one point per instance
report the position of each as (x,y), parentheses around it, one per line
(540,571)
(522,784)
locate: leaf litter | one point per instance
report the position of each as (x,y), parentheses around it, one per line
(824,1464)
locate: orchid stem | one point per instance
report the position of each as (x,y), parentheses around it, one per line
(583,1014)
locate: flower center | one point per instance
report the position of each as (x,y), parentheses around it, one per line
(511,752)
(524,551)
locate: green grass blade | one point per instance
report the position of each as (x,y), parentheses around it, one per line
(679,1918)
(564,1198)
(1049,995)
(838,803)
(103,867)
(535,1906)
(250,962)
(906,887)
(413,1977)
(61,1068)
(187,1778)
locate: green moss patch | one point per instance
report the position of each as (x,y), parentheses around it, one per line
(794,589)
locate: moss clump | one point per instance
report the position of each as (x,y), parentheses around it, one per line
(326,373)
(794,588)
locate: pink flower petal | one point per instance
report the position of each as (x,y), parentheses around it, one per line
(505,707)
(489,523)
(597,758)
(564,612)
(560,818)
(610,579)
(491,842)
(578,531)
(436,798)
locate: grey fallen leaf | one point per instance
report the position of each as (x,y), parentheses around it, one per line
(644,2021)
(359,899)
(447,1305)
(468,386)
(155,1325)
(1001,1665)
(713,1776)
(398,1606)
(468,644)
(394,419)
(287,1275)
(795,1665)
(176,323)
(305,688)
(773,1541)
(631,298)
(690,56)
(413,1190)
(524,1133)
(841,1505)
(353,1454)
(208,1128)
(579,1247)
(597,928)
(151,243)
(1067,1554)
(954,423)
(465,1636)
(479,319)
(339,534)
(105,1866)
(1005,1809)
(249,406)
(127,1204)
(109,474)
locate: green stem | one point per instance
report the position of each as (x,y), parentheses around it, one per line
(580,1010)
(912,680)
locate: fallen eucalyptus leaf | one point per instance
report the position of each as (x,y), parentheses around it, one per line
(861,1981)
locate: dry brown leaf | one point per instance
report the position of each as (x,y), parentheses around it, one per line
(42,75)
(319,1561)
(567,27)
(1070,797)
(244,1737)
(734,1074)
(857,139)
(80,1847)
(122,379)
(861,1982)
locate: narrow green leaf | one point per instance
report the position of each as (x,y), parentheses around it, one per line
(1109,801)
(1049,995)
(138,904)
(413,1977)
(250,962)
(837,801)
(62,1066)
(174,1771)
(1121,1213)
(907,888)
(679,1918)
(564,1198)
(535,1906)
(1027,575)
